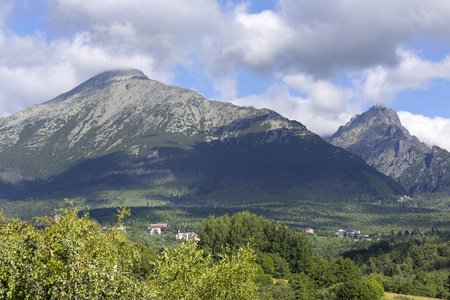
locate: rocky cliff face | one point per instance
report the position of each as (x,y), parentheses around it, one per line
(379,138)
(122,128)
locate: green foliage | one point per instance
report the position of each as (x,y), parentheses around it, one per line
(338,279)
(414,264)
(326,274)
(188,273)
(266,263)
(68,258)
(358,290)
(303,286)
(280,290)
(265,236)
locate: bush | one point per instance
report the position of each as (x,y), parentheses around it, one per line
(189,273)
(68,258)
(359,290)
(303,286)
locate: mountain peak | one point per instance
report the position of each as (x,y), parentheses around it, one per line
(380,114)
(118,75)
(103,80)
(379,138)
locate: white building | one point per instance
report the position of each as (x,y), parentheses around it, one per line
(188,235)
(155,230)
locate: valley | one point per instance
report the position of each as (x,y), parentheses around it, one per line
(171,156)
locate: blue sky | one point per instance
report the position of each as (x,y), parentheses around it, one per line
(318,62)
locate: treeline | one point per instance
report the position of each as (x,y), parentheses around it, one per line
(66,256)
(417,264)
(283,254)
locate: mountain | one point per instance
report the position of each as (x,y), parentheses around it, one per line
(378,137)
(121,130)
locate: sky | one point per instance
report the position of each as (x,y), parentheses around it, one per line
(317,62)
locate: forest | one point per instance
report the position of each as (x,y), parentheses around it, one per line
(69,255)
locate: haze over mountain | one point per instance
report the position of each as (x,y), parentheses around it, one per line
(122,130)
(380,139)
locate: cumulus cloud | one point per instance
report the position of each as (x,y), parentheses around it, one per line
(432,131)
(382,84)
(306,47)
(32,71)
(316,38)
(322,121)
(354,35)
(326,96)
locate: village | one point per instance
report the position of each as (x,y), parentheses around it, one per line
(190,235)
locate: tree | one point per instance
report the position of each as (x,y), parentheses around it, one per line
(68,258)
(359,290)
(265,237)
(303,286)
(189,273)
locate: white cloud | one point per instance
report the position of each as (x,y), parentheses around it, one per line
(304,44)
(432,131)
(326,96)
(261,38)
(32,71)
(382,84)
(322,121)
(332,36)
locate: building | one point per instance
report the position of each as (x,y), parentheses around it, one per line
(155,230)
(348,233)
(309,230)
(158,226)
(161,225)
(188,235)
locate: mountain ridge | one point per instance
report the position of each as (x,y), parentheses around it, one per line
(121,122)
(378,137)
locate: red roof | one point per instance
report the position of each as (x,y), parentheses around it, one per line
(159,225)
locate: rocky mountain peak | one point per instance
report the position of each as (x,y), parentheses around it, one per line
(116,75)
(379,114)
(378,123)
(101,81)
(378,118)
(380,139)
(120,128)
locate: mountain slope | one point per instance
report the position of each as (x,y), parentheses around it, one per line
(121,129)
(380,139)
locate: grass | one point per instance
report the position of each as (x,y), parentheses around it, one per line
(405,297)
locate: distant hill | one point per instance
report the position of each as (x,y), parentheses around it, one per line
(120,129)
(379,138)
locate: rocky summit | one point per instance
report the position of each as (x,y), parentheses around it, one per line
(121,129)
(379,138)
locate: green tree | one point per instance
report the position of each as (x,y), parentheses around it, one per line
(68,258)
(215,234)
(265,237)
(189,273)
(359,290)
(303,286)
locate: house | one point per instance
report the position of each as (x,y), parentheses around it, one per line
(164,225)
(155,230)
(157,225)
(340,233)
(348,233)
(309,230)
(188,235)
